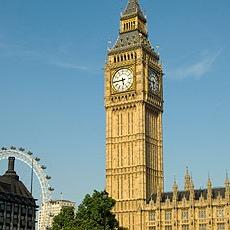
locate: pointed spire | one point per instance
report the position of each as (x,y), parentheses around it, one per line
(209,183)
(133,7)
(227,187)
(187,180)
(209,188)
(192,186)
(227,182)
(175,190)
(175,186)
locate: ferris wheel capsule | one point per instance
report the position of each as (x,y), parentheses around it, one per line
(51,189)
(37,159)
(43,167)
(29,153)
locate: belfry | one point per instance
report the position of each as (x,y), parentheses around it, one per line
(134,148)
(134,106)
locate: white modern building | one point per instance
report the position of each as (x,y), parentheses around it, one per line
(49,210)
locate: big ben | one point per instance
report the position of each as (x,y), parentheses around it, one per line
(134,107)
(134,148)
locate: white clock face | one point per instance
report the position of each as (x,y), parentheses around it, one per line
(153,82)
(122,80)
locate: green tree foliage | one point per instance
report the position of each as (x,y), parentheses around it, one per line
(65,220)
(94,213)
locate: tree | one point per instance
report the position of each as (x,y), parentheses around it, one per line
(65,220)
(94,213)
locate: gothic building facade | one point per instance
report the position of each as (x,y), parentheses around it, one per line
(134,149)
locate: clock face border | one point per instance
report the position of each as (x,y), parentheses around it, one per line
(114,90)
(151,86)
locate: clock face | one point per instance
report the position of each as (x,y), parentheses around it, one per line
(122,80)
(153,82)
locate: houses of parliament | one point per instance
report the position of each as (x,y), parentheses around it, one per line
(134,146)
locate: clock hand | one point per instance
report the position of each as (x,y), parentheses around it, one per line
(119,80)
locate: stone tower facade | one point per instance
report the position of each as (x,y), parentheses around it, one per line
(134,149)
(134,106)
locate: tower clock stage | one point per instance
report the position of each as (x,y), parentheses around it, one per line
(134,151)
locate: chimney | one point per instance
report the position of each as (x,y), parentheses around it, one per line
(10,172)
(11,163)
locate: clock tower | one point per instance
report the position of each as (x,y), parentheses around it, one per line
(134,107)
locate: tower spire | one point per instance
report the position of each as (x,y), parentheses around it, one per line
(133,7)
(187,180)
(209,183)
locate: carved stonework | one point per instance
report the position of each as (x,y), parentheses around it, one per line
(134,146)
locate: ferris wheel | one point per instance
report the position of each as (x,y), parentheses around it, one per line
(36,168)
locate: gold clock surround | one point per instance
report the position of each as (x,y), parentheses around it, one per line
(112,74)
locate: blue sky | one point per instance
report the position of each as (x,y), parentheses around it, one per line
(52,55)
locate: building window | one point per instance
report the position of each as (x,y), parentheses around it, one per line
(221,226)
(152,228)
(168,227)
(185,227)
(184,215)
(8,207)
(202,227)
(202,213)
(2,205)
(16,208)
(168,215)
(220,213)
(152,216)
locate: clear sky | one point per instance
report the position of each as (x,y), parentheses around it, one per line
(52,55)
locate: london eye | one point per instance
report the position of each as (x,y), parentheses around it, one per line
(36,167)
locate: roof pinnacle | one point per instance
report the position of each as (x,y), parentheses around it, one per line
(227,181)
(209,183)
(175,186)
(187,180)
